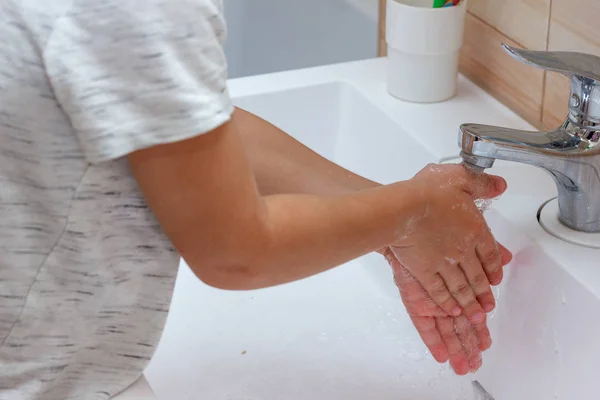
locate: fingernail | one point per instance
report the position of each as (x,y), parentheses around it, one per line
(489,307)
(500,184)
(478,318)
(456,311)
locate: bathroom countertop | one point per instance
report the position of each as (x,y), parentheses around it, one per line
(435,126)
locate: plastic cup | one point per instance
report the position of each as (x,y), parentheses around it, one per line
(423,49)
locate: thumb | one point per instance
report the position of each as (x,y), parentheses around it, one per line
(485,186)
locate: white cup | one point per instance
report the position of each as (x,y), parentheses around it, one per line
(423,49)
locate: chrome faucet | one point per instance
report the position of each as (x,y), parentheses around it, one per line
(571,153)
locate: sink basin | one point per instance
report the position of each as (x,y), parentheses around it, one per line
(345,334)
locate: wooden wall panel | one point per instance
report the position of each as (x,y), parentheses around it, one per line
(381,45)
(485,62)
(525,22)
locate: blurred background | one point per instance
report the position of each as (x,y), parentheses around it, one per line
(276,35)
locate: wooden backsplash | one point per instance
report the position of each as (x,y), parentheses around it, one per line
(538,96)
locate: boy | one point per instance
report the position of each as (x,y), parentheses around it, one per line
(120,151)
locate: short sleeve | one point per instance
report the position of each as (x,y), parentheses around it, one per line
(132,74)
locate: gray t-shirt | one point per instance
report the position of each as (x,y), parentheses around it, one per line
(86,274)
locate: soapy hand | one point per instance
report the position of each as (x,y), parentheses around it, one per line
(447,245)
(447,337)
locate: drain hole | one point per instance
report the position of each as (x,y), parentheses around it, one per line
(480,392)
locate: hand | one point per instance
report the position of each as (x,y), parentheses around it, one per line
(448,246)
(446,337)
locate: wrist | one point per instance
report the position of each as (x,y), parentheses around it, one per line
(411,208)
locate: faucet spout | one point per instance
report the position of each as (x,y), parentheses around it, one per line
(569,154)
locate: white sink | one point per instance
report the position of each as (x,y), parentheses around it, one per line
(344,334)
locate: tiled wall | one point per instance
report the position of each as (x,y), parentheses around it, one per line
(539,97)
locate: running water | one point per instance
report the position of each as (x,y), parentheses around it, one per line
(483,204)
(496,292)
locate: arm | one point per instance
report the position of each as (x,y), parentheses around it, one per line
(204,194)
(281,164)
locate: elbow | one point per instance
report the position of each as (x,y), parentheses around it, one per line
(236,278)
(233,278)
(234,262)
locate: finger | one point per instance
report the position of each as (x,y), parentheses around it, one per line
(470,342)
(483,335)
(458,358)
(478,280)
(416,300)
(484,186)
(488,252)
(463,293)
(440,294)
(475,362)
(431,337)
(506,255)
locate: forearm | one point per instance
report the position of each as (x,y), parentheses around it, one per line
(310,234)
(281,164)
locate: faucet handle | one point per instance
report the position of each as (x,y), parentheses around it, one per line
(584,72)
(581,65)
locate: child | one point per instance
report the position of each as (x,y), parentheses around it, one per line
(120,151)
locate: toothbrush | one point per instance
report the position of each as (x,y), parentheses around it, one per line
(445,3)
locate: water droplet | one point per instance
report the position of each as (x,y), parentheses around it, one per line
(563,299)
(496,292)
(483,204)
